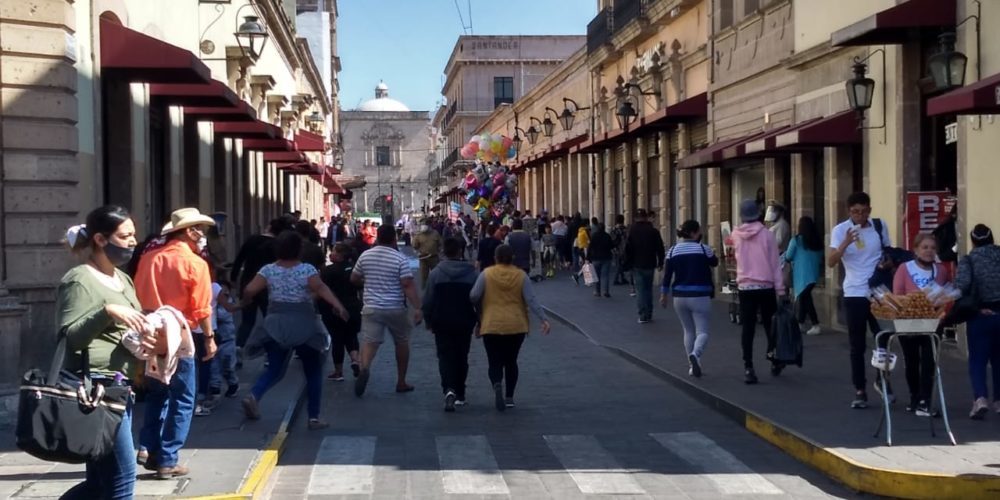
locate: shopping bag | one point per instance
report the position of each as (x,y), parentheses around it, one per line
(589,274)
(788,337)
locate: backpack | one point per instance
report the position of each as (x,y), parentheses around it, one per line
(892,257)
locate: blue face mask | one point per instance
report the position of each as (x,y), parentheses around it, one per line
(119,256)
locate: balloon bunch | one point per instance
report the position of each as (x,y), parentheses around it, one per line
(489,184)
(489,148)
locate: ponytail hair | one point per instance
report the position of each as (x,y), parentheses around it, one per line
(687,229)
(103,220)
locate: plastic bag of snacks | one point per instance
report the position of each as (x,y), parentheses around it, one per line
(916,305)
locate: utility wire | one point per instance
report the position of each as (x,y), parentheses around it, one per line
(466,29)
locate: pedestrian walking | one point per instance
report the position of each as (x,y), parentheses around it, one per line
(312,251)
(549,252)
(95,305)
(777,221)
(451,317)
(520,242)
(388,286)
(176,275)
(427,244)
(758,278)
(687,275)
(487,247)
(599,253)
(805,254)
(290,325)
(505,296)
(644,253)
(619,235)
(343,334)
(857,245)
(580,245)
(918,274)
(560,229)
(256,252)
(224,362)
(979,277)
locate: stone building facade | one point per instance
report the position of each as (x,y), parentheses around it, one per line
(122,101)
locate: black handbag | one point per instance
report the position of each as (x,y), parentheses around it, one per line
(65,418)
(966,307)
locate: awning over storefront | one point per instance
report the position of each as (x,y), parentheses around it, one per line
(739,150)
(308,141)
(980,98)
(841,129)
(285,157)
(693,107)
(711,156)
(897,24)
(248,130)
(211,94)
(268,145)
(142,58)
(602,141)
(242,112)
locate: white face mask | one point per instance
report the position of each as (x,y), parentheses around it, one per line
(202,243)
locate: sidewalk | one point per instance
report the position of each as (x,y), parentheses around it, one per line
(805,411)
(223,450)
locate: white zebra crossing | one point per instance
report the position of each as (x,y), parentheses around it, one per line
(344,465)
(728,473)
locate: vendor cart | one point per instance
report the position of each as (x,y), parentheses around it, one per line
(891,330)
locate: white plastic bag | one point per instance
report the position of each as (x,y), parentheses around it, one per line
(589,274)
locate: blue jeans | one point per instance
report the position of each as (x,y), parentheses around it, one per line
(169,409)
(277,364)
(204,368)
(644,292)
(224,366)
(603,269)
(984,348)
(111,477)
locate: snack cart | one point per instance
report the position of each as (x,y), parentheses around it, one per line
(914,315)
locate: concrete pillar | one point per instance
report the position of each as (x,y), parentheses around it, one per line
(609,179)
(665,215)
(803,187)
(140,185)
(205,167)
(628,196)
(176,144)
(682,191)
(241,222)
(598,191)
(545,187)
(584,177)
(641,194)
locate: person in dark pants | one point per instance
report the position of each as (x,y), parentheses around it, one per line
(505,295)
(487,247)
(644,253)
(599,253)
(758,277)
(451,317)
(858,246)
(520,241)
(343,334)
(979,275)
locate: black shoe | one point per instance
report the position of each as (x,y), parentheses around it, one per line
(607,295)
(361,383)
(749,376)
(695,365)
(860,401)
(355,369)
(449,402)
(232,390)
(924,410)
(776,368)
(498,399)
(912,406)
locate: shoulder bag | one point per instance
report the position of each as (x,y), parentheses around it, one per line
(967,307)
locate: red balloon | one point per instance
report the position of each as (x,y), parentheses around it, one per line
(497,192)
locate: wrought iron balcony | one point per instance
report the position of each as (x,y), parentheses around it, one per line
(449,161)
(599,30)
(625,11)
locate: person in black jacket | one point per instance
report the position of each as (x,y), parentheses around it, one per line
(451,316)
(599,254)
(312,253)
(644,253)
(257,251)
(343,334)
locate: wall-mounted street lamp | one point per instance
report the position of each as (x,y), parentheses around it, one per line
(532,133)
(947,67)
(314,120)
(628,101)
(251,36)
(548,126)
(517,138)
(626,113)
(567,116)
(861,89)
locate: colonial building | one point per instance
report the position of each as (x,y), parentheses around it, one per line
(207,104)
(385,154)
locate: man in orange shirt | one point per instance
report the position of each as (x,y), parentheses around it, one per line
(175,275)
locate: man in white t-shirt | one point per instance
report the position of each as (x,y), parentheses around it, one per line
(857,245)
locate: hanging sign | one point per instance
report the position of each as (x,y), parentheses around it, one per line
(924,210)
(951,133)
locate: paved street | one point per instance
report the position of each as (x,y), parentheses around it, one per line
(587,425)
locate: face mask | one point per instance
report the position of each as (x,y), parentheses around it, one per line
(202,243)
(118,256)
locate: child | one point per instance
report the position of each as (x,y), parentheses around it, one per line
(549,242)
(224,363)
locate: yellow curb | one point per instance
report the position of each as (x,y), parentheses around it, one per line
(267,460)
(874,480)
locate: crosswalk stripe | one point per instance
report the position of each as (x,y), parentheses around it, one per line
(728,473)
(468,466)
(592,468)
(343,466)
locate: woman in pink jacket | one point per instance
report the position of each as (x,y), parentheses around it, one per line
(758,277)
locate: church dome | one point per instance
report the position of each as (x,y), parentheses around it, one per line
(382,101)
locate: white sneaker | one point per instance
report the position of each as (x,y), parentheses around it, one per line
(815,330)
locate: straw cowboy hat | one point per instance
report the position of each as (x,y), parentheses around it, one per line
(184,218)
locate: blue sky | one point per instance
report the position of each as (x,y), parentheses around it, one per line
(407,42)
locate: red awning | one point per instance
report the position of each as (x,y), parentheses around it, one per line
(242,112)
(711,155)
(739,149)
(898,24)
(980,98)
(308,141)
(692,107)
(212,94)
(247,130)
(285,157)
(840,129)
(142,58)
(268,145)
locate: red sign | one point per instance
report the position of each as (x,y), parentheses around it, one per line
(924,210)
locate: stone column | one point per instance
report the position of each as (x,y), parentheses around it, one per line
(609,180)
(642,182)
(628,197)
(206,167)
(598,191)
(176,145)
(838,171)
(803,175)
(665,215)
(682,190)
(141,189)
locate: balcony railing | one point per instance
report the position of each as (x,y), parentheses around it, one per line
(449,161)
(449,115)
(599,30)
(627,10)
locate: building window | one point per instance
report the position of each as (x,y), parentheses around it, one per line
(382,156)
(503,90)
(725,14)
(750,6)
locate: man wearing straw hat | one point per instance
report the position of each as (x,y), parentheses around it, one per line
(176,275)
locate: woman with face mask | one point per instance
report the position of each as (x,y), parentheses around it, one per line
(96,303)
(915,275)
